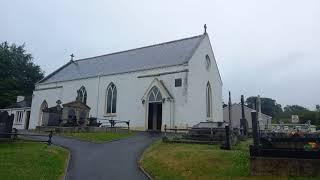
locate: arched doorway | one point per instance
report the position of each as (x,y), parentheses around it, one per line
(154,109)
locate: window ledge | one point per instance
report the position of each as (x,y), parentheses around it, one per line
(110,115)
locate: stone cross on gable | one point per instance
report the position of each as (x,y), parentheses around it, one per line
(72,56)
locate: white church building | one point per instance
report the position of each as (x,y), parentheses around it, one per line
(175,83)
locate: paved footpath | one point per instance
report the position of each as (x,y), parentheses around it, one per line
(112,160)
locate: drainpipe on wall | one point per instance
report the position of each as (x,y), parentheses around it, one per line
(170,113)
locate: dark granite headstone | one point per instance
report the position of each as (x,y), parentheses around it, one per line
(6,123)
(255,130)
(243,120)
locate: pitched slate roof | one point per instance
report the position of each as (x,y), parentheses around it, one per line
(149,57)
(22,104)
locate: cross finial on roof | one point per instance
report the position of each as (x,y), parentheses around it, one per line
(205,28)
(72,56)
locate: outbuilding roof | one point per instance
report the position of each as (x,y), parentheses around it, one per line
(155,56)
(246,107)
(26,103)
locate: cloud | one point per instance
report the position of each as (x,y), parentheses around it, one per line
(262,47)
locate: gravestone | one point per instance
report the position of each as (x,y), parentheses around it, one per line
(243,120)
(6,123)
(283,155)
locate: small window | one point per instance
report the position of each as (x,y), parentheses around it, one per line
(178,82)
(19,116)
(208,62)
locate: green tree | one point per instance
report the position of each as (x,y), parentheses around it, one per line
(318,108)
(268,106)
(294,109)
(313,116)
(18,73)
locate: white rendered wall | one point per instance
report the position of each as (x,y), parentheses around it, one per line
(188,108)
(198,77)
(130,90)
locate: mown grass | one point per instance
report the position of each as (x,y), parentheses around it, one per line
(195,161)
(31,160)
(99,137)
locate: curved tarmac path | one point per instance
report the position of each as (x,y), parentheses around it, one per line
(111,160)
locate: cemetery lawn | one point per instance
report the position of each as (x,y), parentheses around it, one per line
(99,137)
(195,161)
(32,160)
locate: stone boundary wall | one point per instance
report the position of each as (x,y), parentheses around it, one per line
(82,129)
(261,166)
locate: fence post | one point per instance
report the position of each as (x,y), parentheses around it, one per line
(228,143)
(165,130)
(15,131)
(50,137)
(211,133)
(175,129)
(128,125)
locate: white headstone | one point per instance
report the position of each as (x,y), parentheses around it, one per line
(295,119)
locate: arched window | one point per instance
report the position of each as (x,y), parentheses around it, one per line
(43,106)
(208,62)
(82,95)
(209,100)
(155,95)
(111,99)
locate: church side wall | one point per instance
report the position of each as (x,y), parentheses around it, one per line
(130,90)
(198,78)
(64,91)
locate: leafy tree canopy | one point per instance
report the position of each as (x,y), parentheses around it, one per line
(294,109)
(18,73)
(268,105)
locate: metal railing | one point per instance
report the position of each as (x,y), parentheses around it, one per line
(14,135)
(113,122)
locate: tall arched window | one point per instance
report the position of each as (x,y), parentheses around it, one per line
(155,95)
(43,106)
(82,95)
(209,100)
(111,99)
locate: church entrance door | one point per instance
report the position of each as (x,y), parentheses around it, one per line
(155,116)
(154,109)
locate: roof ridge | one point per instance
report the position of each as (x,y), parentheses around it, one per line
(158,44)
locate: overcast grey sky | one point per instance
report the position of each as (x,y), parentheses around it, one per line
(269,47)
